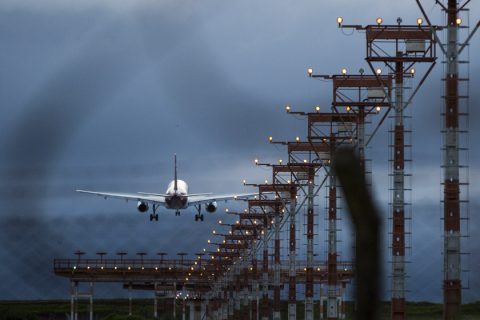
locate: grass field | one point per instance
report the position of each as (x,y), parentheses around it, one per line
(143,309)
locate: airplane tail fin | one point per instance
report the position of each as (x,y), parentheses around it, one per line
(175,187)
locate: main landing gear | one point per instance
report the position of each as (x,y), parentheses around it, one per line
(198,216)
(154,215)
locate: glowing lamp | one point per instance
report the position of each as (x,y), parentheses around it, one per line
(339,21)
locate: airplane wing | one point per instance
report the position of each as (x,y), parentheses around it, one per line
(150,198)
(199,199)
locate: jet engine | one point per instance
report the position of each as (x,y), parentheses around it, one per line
(142,206)
(211,207)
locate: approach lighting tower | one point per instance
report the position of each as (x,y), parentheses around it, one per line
(399,48)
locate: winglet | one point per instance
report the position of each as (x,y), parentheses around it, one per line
(175,174)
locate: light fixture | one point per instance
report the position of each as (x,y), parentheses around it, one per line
(270,138)
(297,139)
(458,21)
(344,71)
(419,21)
(339,21)
(378,71)
(310,72)
(412,71)
(317,108)
(287,108)
(379,21)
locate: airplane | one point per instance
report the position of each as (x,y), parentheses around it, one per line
(176,197)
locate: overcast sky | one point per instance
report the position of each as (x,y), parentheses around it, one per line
(101,94)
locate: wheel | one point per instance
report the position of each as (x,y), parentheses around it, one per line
(151,217)
(156,217)
(196,217)
(201,217)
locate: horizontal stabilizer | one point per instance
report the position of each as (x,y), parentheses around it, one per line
(153,194)
(199,194)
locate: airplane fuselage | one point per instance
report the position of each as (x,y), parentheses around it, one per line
(177,199)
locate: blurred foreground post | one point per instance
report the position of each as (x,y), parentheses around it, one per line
(367,232)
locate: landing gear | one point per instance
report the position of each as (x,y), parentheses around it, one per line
(177,213)
(154,215)
(198,216)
